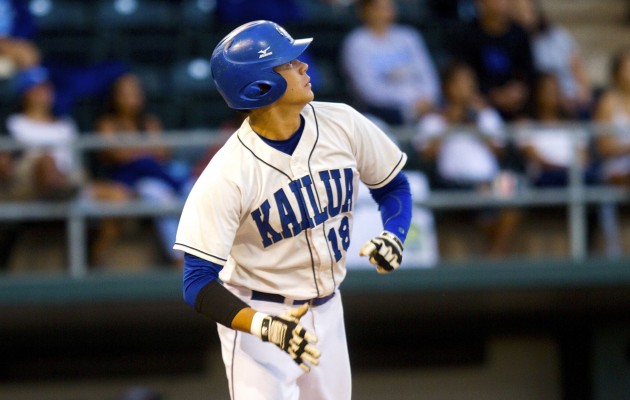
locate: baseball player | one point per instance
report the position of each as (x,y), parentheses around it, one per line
(267,224)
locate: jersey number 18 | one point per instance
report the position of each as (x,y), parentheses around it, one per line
(344,236)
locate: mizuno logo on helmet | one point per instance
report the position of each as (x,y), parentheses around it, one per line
(263,53)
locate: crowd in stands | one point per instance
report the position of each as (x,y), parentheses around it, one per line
(505,62)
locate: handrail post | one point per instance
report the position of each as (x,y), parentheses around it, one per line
(75,223)
(577,224)
(76,241)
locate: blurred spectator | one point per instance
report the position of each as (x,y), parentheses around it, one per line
(555,51)
(16,27)
(16,20)
(47,169)
(613,109)
(462,156)
(500,53)
(16,55)
(464,139)
(7,175)
(547,143)
(144,171)
(388,65)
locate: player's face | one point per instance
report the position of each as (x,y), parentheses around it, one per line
(298,83)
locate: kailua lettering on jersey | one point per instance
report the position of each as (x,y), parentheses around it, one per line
(298,210)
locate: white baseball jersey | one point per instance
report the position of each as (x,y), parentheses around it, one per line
(281,223)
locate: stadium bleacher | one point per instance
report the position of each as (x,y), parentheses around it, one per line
(158,38)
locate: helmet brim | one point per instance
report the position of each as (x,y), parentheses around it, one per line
(296,49)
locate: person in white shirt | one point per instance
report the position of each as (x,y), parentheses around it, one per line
(462,157)
(613,112)
(47,167)
(549,146)
(389,68)
(464,140)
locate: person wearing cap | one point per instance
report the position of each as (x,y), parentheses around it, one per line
(267,225)
(47,167)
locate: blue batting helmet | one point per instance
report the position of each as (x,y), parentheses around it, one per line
(242,64)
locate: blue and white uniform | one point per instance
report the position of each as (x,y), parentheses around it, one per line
(276,219)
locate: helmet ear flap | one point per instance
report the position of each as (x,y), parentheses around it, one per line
(256,90)
(263,91)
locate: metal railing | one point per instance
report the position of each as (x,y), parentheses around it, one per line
(576,196)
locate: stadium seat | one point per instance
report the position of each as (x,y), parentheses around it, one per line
(155,79)
(85,112)
(167,110)
(69,48)
(414,12)
(191,78)
(6,91)
(7,99)
(144,47)
(202,44)
(321,12)
(61,15)
(152,15)
(331,85)
(65,30)
(205,114)
(198,14)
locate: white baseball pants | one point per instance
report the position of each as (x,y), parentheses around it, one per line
(261,371)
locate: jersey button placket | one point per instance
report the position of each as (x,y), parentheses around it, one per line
(299,168)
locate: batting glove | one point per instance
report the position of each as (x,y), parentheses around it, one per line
(385,251)
(286,332)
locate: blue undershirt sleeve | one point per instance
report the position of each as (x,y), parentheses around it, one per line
(197,274)
(395,204)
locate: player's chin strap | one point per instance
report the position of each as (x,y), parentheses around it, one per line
(286,332)
(385,251)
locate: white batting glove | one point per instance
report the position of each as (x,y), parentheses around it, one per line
(286,332)
(385,251)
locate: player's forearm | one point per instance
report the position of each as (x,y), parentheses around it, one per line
(243,320)
(222,306)
(206,295)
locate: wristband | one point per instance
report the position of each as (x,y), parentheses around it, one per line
(256,327)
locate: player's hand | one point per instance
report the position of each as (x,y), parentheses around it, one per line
(286,332)
(385,251)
